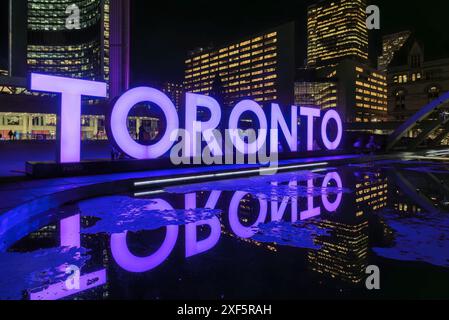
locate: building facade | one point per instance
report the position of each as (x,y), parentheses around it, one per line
(414,81)
(390,45)
(261,68)
(336,30)
(175,91)
(321,94)
(54,49)
(356,90)
(42,42)
(338,71)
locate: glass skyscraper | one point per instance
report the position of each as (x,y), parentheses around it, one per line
(41,41)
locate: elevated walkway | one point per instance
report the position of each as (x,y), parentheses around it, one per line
(429,120)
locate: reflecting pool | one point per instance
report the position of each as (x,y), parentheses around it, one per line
(298,235)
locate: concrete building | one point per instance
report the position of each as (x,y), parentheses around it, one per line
(414,80)
(391,44)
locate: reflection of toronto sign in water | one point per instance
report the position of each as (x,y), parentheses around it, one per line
(324,127)
(70,229)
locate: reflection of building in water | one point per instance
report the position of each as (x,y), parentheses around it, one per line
(51,236)
(46,237)
(102,260)
(371,193)
(344,255)
(407,207)
(248,212)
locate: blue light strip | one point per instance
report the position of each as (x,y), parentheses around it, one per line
(227,174)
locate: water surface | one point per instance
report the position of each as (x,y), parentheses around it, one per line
(299,235)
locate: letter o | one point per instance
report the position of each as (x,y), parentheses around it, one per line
(331,145)
(119,126)
(131,263)
(332,206)
(236,226)
(239,109)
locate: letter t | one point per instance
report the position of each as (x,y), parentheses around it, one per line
(310,113)
(69,118)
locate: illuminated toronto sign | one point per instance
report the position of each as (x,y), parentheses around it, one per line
(299,130)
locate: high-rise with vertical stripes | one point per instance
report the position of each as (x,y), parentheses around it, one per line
(336,31)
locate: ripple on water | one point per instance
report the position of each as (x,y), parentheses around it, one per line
(48,267)
(424,238)
(298,235)
(271,188)
(118,214)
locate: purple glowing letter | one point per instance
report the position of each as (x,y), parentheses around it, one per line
(331,145)
(311,211)
(134,264)
(70,232)
(70,117)
(236,226)
(193,246)
(310,113)
(239,109)
(59,290)
(119,125)
(332,207)
(278,119)
(193,102)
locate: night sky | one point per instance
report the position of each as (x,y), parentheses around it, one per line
(162,34)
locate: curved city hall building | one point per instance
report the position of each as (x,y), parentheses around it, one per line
(47,37)
(56,47)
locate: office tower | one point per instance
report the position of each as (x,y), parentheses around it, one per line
(117,45)
(43,42)
(17,32)
(321,95)
(336,31)
(338,55)
(175,92)
(390,45)
(54,49)
(362,92)
(261,67)
(98,49)
(356,90)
